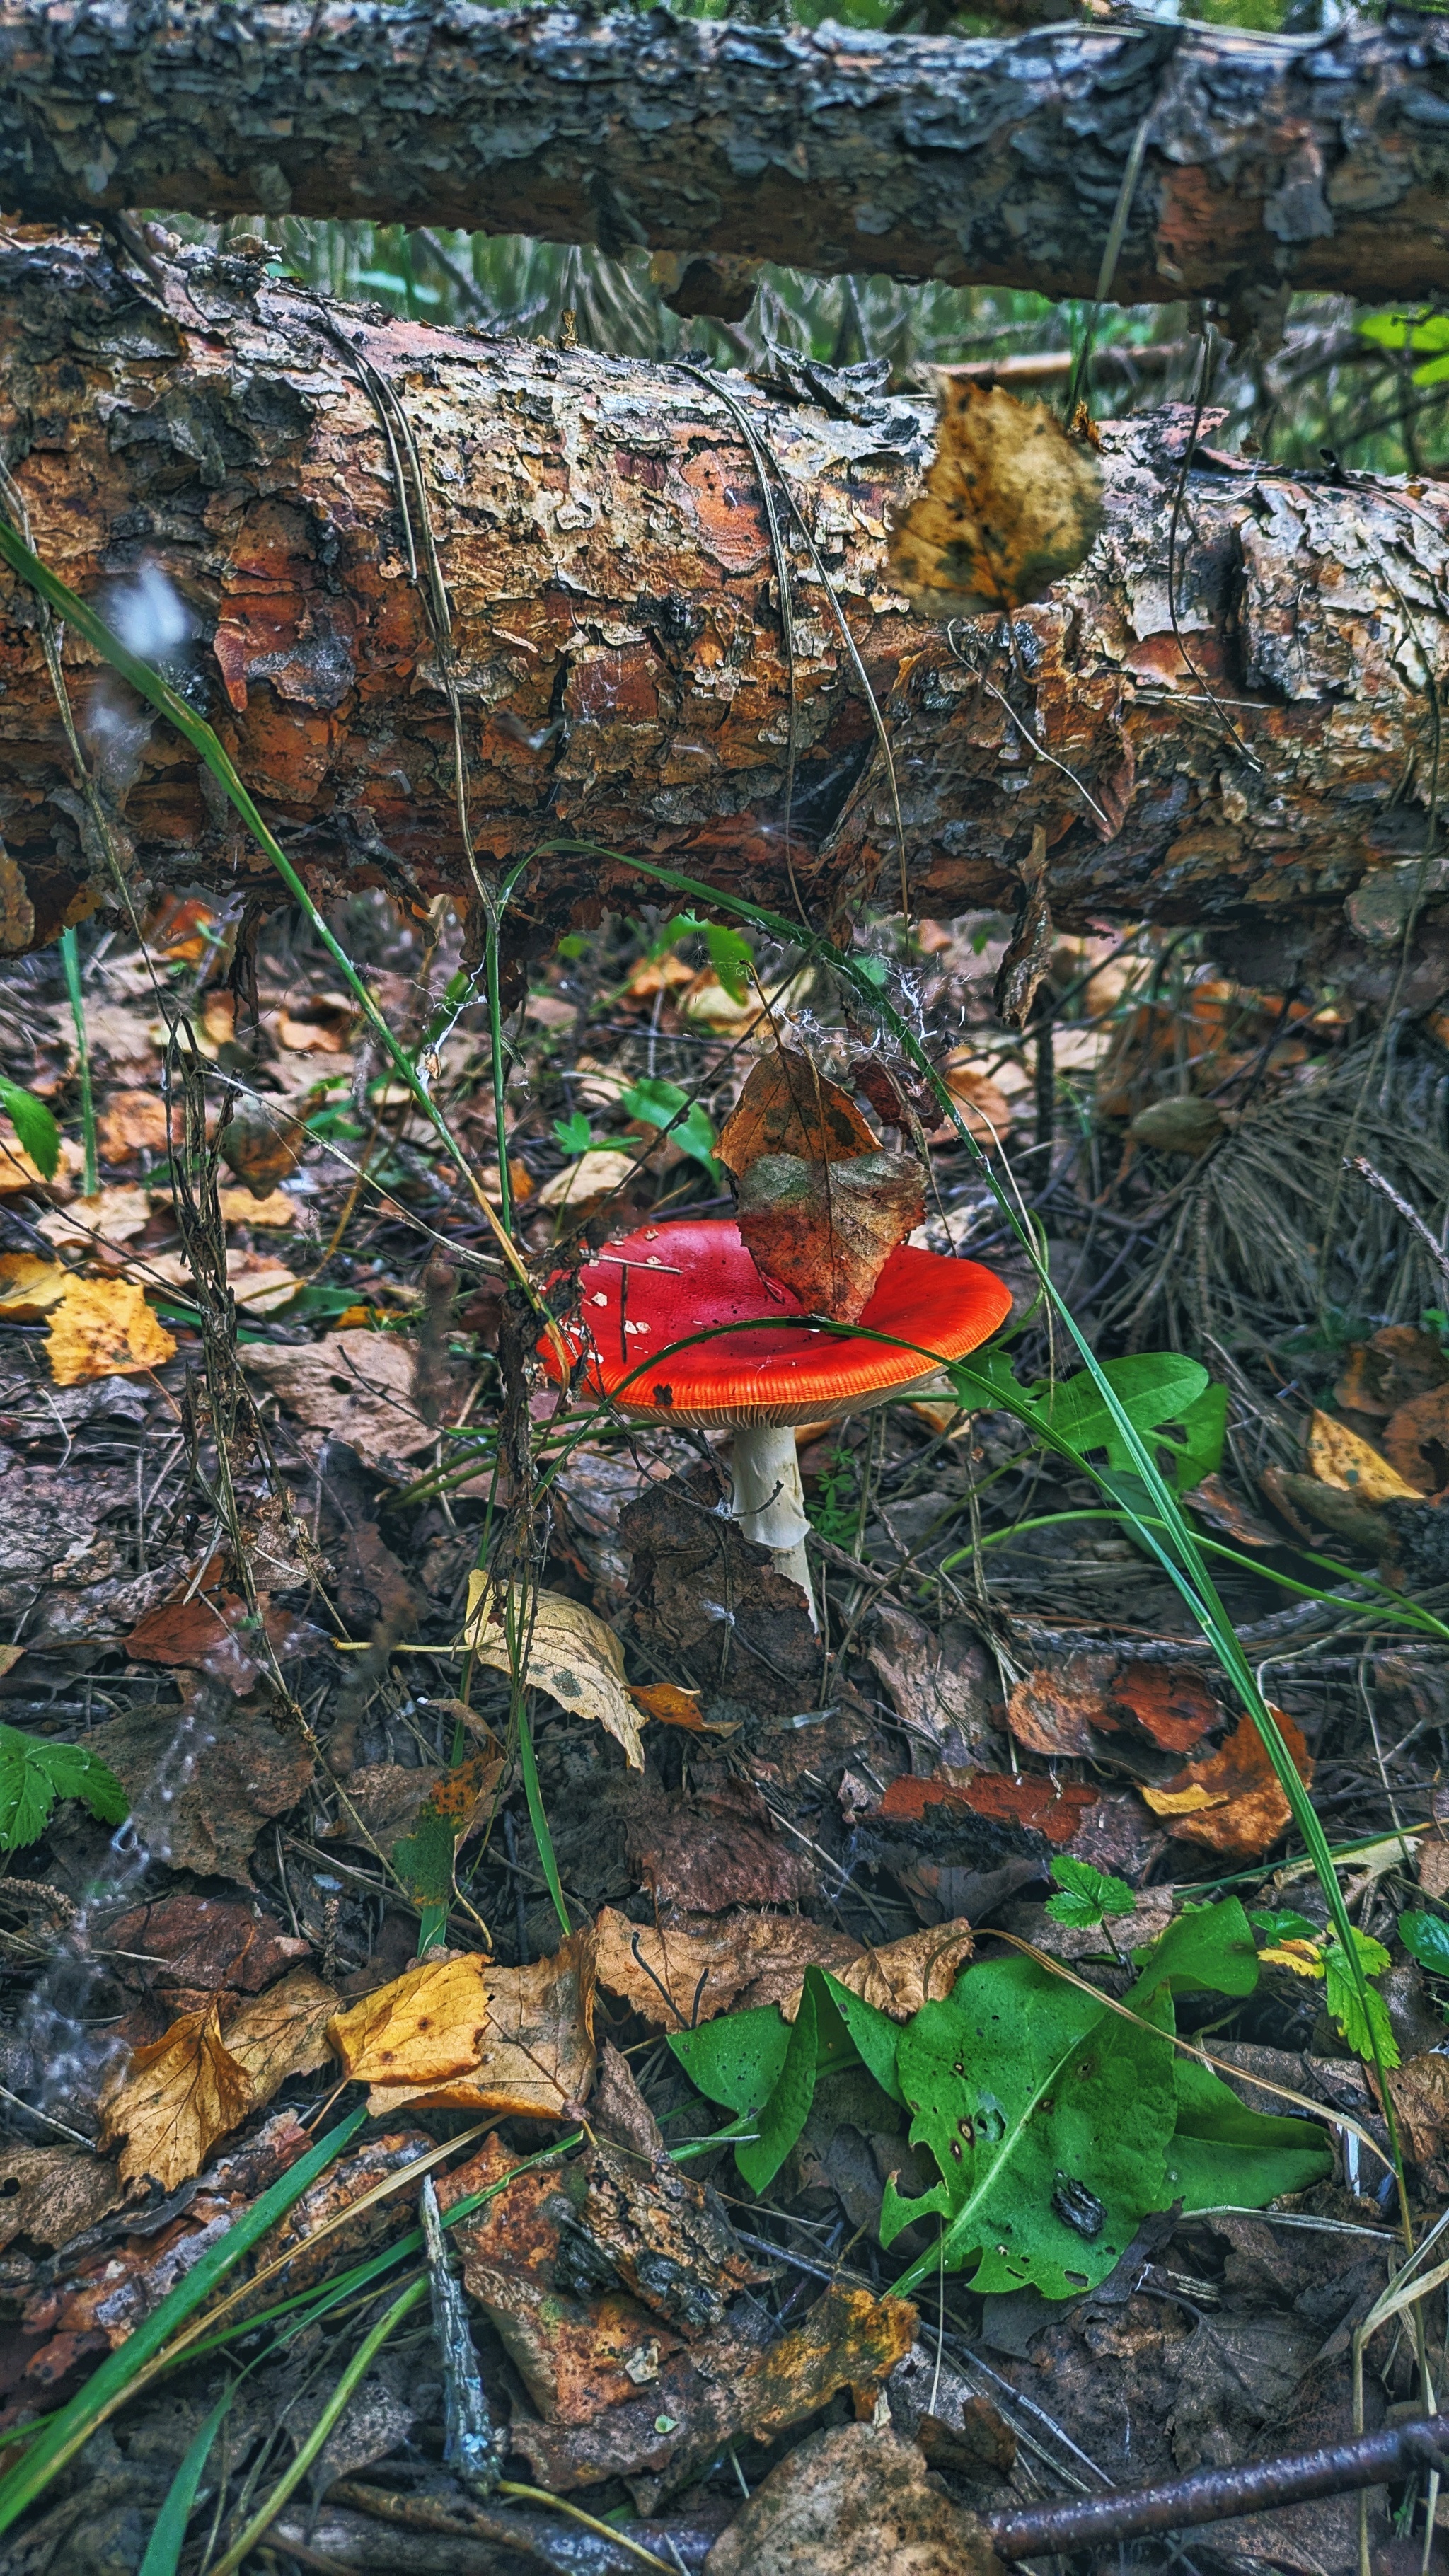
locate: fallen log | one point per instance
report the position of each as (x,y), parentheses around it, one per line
(1271,162)
(244,479)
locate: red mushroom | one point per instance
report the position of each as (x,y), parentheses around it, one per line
(663,1284)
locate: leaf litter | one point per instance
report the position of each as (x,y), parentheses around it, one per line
(445,1756)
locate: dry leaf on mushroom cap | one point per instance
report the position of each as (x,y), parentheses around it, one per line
(788,1106)
(1010,506)
(826,1229)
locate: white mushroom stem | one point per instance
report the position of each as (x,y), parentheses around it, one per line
(769,1501)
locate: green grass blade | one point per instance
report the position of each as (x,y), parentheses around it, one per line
(539,1820)
(70,960)
(168,2536)
(108,2387)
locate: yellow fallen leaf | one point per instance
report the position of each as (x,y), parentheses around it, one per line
(1180,1802)
(1010,506)
(104,1328)
(29,1287)
(1339,1457)
(133,1122)
(429,2023)
(571,1654)
(1300,1956)
(257,1282)
(174,2101)
(243,1207)
(594,1176)
(534,2057)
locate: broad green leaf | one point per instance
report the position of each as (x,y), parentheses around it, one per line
(1434,373)
(737,2059)
(33,1124)
(663,1104)
(1289,1927)
(1406,330)
(1199,1452)
(574,1133)
(1206,1948)
(1426,1939)
(1152,1387)
(1086,1896)
(34,1773)
(1049,2119)
(1225,2156)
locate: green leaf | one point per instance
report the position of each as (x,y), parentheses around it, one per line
(1205,1949)
(33,1124)
(574,1133)
(757,2062)
(1152,1387)
(732,958)
(1224,2155)
(1434,373)
(1287,1927)
(1087,1897)
(1406,330)
(1426,1938)
(1360,2010)
(663,1104)
(168,2532)
(1049,2119)
(34,1773)
(1199,1452)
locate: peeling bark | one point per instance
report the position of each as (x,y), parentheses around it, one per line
(1318,162)
(620,665)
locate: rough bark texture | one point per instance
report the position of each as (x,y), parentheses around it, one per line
(1301,161)
(619,661)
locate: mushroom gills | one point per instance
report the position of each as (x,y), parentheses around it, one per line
(769,1499)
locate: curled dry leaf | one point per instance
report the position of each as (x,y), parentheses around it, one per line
(261,1148)
(1231,1802)
(176,2098)
(104,1328)
(827,1229)
(1416,1441)
(1054,1712)
(671,1706)
(111,1218)
(596,1175)
(1339,1457)
(852,2502)
(1171,1704)
(259,1283)
(1010,506)
(355,1386)
(788,1106)
(685,1974)
(571,1654)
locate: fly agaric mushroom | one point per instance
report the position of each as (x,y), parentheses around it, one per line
(664,1284)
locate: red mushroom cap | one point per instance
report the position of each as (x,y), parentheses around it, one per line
(662,1283)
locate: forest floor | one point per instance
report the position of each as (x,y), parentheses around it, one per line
(355,1878)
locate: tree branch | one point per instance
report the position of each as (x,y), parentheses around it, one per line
(1273,162)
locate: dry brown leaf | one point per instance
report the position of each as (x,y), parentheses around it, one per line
(29,1287)
(282,2032)
(1171,1703)
(854,2501)
(1399,1363)
(1337,1456)
(534,2057)
(104,1328)
(51,2194)
(679,1976)
(259,1283)
(1231,1802)
(427,2024)
(1010,507)
(671,1706)
(1433,1854)
(262,1147)
(113,1217)
(174,2101)
(18,1172)
(1416,1441)
(788,1106)
(1054,1712)
(984,1108)
(355,1386)
(572,1655)
(596,1175)
(827,1230)
(1420,2095)
(132,1122)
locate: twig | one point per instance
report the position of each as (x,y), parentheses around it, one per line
(1360,1163)
(1219,2495)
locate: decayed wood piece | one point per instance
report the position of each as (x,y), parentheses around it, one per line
(620,665)
(1317,162)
